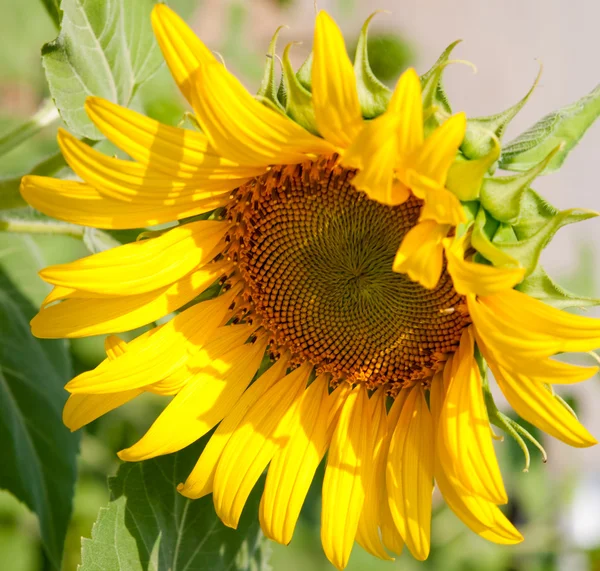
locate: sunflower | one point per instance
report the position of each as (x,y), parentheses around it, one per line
(327,296)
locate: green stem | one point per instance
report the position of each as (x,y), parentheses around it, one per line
(41,227)
(47,114)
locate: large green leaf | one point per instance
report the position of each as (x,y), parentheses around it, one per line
(38,451)
(564,127)
(148,525)
(103,48)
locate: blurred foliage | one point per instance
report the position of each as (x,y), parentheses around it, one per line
(539,499)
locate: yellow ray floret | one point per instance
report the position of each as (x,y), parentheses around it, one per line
(142,266)
(465,438)
(80,203)
(238,126)
(200,481)
(335,98)
(409,473)
(294,465)
(178,153)
(421,254)
(204,401)
(344,483)
(84,316)
(264,429)
(480,515)
(376,502)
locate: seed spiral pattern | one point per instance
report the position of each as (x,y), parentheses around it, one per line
(316,258)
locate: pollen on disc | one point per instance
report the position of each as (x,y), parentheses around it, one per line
(316,259)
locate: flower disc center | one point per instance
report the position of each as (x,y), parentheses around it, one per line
(316,257)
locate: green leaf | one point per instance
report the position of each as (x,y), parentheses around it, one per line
(563,127)
(105,49)
(53,9)
(373,95)
(541,286)
(38,451)
(149,525)
(479,138)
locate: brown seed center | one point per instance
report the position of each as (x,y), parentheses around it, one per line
(316,257)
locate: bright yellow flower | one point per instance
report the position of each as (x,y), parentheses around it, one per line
(298,237)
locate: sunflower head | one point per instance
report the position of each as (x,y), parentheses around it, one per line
(342,265)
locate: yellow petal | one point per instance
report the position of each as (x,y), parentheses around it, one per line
(178,153)
(465,439)
(466,177)
(294,465)
(200,481)
(142,266)
(536,404)
(334,94)
(181,48)
(390,535)
(440,204)
(421,253)
(576,332)
(264,429)
(156,356)
(409,473)
(481,516)
(515,342)
(201,404)
(374,153)
(80,203)
(80,410)
(80,317)
(406,103)
(238,126)
(518,349)
(368,534)
(134,182)
(477,279)
(438,152)
(343,485)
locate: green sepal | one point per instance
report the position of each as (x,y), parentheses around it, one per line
(483,228)
(269,86)
(373,95)
(281,92)
(431,82)
(563,127)
(466,177)
(502,196)
(298,100)
(541,286)
(535,231)
(480,130)
(505,234)
(304,73)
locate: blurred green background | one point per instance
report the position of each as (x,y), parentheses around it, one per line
(556,506)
